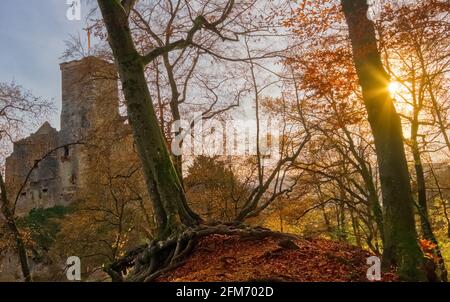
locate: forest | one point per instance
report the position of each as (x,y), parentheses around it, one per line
(234,140)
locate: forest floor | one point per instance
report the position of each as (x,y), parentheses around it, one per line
(234,258)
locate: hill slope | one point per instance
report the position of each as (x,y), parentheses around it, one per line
(236,258)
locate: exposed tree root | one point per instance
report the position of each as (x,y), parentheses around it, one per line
(146,263)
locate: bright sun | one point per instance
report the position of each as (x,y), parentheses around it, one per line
(394,88)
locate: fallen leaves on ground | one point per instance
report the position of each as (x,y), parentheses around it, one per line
(234,258)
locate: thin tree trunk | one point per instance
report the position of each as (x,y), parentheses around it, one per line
(418,167)
(11,224)
(355,226)
(425,224)
(341,216)
(441,197)
(400,237)
(162,179)
(326,220)
(422,196)
(175,110)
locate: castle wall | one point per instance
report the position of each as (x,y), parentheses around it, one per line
(42,187)
(89,101)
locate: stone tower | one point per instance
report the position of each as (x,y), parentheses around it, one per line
(89,97)
(90,103)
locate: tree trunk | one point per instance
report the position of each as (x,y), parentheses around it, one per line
(425,224)
(163,184)
(341,217)
(443,200)
(420,179)
(326,220)
(11,224)
(355,226)
(175,110)
(400,237)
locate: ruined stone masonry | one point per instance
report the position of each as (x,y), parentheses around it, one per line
(89,100)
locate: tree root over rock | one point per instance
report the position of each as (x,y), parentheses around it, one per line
(146,263)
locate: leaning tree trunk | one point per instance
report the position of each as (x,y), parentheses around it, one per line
(175,110)
(400,237)
(162,180)
(11,224)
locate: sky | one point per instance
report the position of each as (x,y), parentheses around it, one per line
(32,35)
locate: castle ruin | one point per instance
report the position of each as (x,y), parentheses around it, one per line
(45,168)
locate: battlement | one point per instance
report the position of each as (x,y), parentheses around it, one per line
(85,60)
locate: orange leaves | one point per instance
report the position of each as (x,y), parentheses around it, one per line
(233,258)
(427,245)
(314,17)
(428,248)
(326,71)
(324,56)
